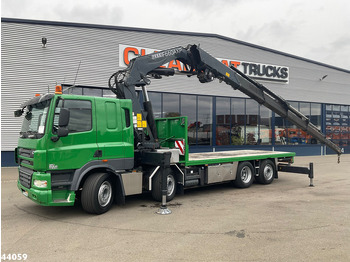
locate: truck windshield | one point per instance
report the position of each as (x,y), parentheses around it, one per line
(35,119)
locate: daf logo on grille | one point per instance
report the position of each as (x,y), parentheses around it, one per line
(53,166)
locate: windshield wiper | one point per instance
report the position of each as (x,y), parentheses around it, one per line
(23,134)
(30,134)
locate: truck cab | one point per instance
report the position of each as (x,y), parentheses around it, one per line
(66,137)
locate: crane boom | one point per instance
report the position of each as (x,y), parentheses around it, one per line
(200,63)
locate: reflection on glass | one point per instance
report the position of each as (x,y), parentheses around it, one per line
(280,130)
(188,108)
(80,118)
(92,92)
(108,93)
(74,91)
(171,105)
(265,137)
(315,118)
(338,124)
(156,99)
(204,122)
(287,133)
(252,115)
(238,121)
(303,137)
(223,121)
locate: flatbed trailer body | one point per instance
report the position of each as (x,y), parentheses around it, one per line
(234,156)
(241,167)
(174,129)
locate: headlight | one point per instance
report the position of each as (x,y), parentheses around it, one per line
(40,183)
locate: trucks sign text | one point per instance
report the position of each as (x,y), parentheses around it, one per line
(258,71)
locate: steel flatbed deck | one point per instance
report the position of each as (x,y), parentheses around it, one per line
(233,156)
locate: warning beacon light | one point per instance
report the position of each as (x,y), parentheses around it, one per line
(58,90)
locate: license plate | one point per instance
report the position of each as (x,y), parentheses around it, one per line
(25,193)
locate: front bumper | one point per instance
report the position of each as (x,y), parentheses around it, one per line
(48,197)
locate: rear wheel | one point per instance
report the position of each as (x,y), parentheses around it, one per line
(267,172)
(98,193)
(157,187)
(245,175)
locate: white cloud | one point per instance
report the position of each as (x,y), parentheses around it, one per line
(314,29)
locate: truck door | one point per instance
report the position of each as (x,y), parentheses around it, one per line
(79,147)
(114,133)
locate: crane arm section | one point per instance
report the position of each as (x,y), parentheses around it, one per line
(200,63)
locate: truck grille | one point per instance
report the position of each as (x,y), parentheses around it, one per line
(25,176)
(26,152)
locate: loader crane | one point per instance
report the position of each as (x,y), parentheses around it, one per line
(206,68)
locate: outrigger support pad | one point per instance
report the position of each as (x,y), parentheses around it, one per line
(164,210)
(164,170)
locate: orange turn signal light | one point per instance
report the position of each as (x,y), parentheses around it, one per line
(37,94)
(58,90)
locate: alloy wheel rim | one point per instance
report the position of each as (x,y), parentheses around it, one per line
(268,172)
(105,193)
(246,174)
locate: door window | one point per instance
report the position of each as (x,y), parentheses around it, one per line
(80,115)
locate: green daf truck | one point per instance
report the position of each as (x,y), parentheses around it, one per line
(101,149)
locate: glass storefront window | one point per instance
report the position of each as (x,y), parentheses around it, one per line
(344,126)
(156,99)
(287,133)
(189,108)
(315,119)
(223,121)
(252,118)
(265,126)
(92,92)
(290,134)
(108,93)
(237,121)
(329,127)
(74,91)
(171,105)
(204,120)
(316,114)
(242,121)
(304,108)
(303,137)
(337,124)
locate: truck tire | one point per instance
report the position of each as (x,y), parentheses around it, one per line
(157,187)
(245,175)
(97,194)
(267,172)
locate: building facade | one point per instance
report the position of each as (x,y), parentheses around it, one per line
(219,118)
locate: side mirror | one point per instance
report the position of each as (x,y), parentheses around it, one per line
(63,120)
(18,112)
(62,131)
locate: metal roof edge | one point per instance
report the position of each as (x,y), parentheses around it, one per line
(161,31)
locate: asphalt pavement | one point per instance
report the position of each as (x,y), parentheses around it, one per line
(284,221)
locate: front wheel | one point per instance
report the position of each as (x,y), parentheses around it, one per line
(98,194)
(245,175)
(157,187)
